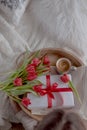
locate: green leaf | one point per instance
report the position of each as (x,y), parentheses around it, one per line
(34,82)
(75,91)
(20,92)
(20,88)
(7,87)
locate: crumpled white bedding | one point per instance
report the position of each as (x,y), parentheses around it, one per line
(39,29)
(57,23)
(11,45)
(35,33)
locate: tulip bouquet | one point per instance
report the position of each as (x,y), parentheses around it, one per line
(25,78)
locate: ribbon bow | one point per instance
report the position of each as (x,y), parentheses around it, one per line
(49,90)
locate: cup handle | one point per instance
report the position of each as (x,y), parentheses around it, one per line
(73,68)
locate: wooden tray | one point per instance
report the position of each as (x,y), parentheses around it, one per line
(53,55)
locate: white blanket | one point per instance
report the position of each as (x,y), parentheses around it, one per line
(45,24)
(56,23)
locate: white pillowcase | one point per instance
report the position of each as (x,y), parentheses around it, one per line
(13,9)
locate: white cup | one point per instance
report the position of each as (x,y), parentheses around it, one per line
(63,65)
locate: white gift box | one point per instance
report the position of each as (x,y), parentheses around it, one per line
(61,98)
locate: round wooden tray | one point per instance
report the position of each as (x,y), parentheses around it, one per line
(53,55)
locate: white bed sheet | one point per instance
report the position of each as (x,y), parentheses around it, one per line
(35,33)
(41,26)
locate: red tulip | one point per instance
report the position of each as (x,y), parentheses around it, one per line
(37,88)
(32,76)
(17,82)
(46,60)
(36,62)
(31,69)
(25,101)
(65,78)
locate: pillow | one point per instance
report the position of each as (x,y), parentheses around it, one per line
(13,9)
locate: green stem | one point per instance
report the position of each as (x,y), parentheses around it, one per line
(17,99)
(75,91)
